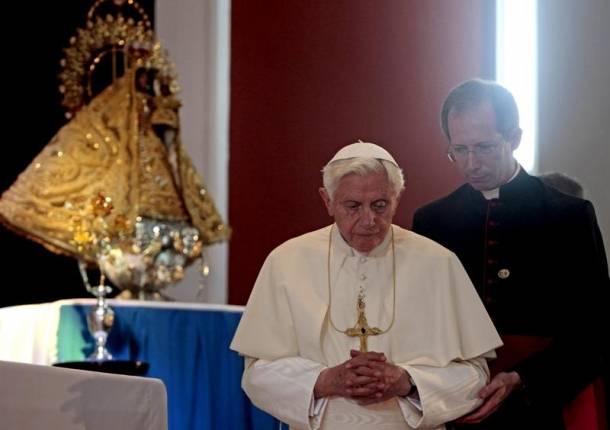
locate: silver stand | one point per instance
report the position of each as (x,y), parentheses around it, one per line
(100,320)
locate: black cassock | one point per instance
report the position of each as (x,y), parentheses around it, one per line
(537,260)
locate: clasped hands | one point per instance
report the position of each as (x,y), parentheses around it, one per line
(366,377)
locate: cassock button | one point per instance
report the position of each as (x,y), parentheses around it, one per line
(363,277)
(363,259)
(503,273)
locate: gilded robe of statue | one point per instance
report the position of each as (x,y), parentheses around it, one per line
(111,148)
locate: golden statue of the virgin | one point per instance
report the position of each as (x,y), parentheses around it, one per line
(115,186)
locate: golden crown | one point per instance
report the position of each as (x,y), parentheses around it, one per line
(132,37)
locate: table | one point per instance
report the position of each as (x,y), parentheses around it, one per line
(186,345)
(33,397)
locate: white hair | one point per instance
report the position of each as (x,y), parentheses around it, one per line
(334,171)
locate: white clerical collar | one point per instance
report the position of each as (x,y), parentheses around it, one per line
(341,245)
(495,193)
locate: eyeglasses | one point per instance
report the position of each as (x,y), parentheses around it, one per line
(480,150)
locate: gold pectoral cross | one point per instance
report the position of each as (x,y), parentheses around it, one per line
(362,329)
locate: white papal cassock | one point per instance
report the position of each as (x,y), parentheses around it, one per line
(441,336)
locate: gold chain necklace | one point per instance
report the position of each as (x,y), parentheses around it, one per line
(362,329)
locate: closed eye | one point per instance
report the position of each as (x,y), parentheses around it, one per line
(460,149)
(485,148)
(379,205)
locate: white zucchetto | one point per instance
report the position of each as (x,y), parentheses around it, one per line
(363,150)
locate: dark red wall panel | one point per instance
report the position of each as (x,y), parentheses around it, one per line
(308,77)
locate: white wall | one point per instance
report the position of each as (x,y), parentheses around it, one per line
(196,34)
(574,97)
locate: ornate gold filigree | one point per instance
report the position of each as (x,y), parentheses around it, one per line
(109,35)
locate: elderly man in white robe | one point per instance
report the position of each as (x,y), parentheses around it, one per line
(363,324)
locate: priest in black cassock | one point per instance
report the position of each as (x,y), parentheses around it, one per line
(535,256)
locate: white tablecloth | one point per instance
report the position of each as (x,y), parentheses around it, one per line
(34,397)
(28,333)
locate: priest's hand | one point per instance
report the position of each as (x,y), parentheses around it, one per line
(345,380)
(390,380)
(493,395)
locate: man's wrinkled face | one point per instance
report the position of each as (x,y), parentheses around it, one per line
(363,208)
(484,157)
